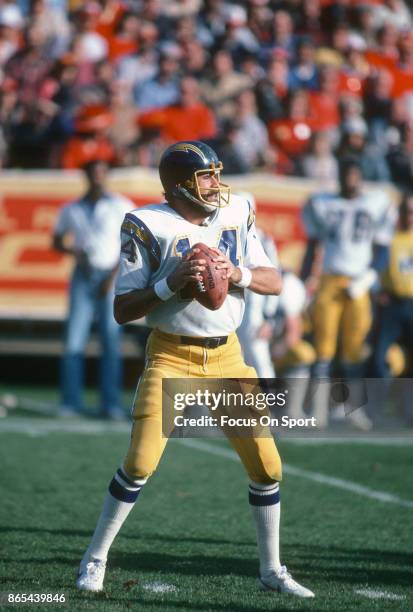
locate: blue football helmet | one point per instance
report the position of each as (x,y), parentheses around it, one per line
(181,165)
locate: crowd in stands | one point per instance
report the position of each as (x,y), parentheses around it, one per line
(284,86)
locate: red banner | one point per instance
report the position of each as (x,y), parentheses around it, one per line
(33,277)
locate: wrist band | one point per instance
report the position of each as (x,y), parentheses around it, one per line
(162,290)
(246,277)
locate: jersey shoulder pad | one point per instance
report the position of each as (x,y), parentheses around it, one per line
(323,198)
(137,230)
(379,201)
(241,209)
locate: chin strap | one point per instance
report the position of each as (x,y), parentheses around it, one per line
(181,192)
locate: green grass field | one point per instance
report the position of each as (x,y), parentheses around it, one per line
(189,543)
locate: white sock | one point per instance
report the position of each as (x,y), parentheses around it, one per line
(119,501)
(265,506)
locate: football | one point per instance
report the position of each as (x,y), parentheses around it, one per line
(212,288)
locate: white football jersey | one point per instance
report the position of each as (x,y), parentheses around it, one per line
(348,228)
(155,237)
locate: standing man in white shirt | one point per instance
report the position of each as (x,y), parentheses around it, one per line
(88,229)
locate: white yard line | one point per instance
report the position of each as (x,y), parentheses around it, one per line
(39,427)
(159,587)
(330,481)
(375,594)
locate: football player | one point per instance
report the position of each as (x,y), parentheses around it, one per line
(188,340)
(256,329)
(353,227)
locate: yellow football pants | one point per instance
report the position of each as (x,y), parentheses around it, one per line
(336,317)
(165,358)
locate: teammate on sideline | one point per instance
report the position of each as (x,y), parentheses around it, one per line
(256,329)
(353,227)
(190,340)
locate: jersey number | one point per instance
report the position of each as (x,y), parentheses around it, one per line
(228,244)
(361,229)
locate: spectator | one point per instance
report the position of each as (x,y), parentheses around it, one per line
(30,138)
(190,119)
(385,51)
(291,135)
(238,39)
(181,8)
(8,110)
(60,85)
(355,69)
(93,223)
(400,159)
(325,101)
(259,21)
(339,40)
(54,24)
(364,21)
(223,85)
(394,12)
(186,29)
(335,13)
(123,131)
(251,138)
(143,65)
(354,144)
(304,73)
(11,22)
(319,164)
(194,58)
(90,46)
(251,66)
(163,89)
(331,49)
(90,140)
(108,17)
(212,18)
(272,89)
(282,33)
(378,105)
(227,150)
(309,22)
(29,66)
(124,40)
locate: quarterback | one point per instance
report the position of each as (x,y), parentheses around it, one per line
(189,340)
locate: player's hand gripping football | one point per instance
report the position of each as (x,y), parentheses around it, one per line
(222,262)
(186,271)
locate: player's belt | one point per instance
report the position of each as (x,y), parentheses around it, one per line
(213,342)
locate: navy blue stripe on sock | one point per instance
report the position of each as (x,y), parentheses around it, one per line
(264,500)
(122,494)
(127,479)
